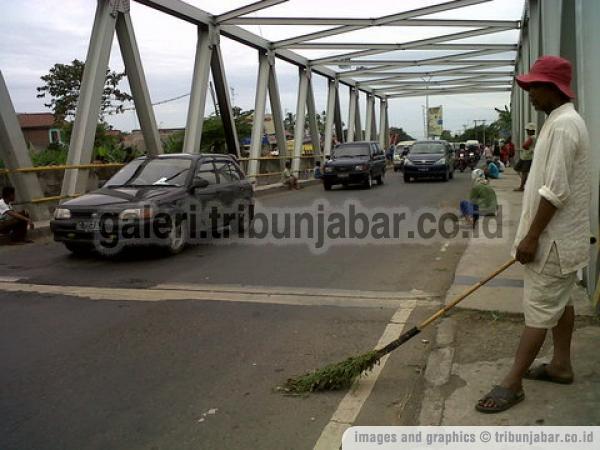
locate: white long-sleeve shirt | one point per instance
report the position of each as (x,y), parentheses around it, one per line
(560,173)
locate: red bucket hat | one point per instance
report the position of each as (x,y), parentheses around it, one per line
(549,69)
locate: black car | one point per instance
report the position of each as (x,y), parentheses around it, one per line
(429,159)
(354,163)
(167,200)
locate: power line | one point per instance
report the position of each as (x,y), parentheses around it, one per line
(132,108)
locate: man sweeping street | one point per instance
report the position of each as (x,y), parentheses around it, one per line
(553,235)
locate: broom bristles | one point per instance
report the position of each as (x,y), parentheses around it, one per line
(334,376)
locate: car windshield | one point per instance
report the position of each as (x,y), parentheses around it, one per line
(426,148)
(152,172)
(351,151)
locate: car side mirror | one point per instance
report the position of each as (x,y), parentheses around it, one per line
(199,183)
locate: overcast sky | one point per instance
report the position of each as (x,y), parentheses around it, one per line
(36,34)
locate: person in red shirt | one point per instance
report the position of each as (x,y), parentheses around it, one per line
(507,151)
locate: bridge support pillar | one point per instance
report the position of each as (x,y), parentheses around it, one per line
(224,99)
(370,127)
(303,87)
(260,101)
(277,112)
(137,82)
(81,146)
(14,153)
(197,106)
(332,86)
(352,109)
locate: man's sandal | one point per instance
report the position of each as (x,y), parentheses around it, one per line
(502,398)
(540,373)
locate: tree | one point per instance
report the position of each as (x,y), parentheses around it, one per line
(213,134)
(402,135)
(63,83)
(504,122)
(446,135)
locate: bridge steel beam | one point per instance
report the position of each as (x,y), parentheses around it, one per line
(224,100)
(352,109)
(260,101)
(303,86)
(338,122)
(370,118)
(313,126)
(383,123)
(90,96)
(384,20)
(277,111)
(137,82)
(15,155)
(197,105)
(329,117)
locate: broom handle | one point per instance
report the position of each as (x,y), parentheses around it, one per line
(465,294)
(416,330)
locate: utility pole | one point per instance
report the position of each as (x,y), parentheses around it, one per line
(483,121)
(427,80)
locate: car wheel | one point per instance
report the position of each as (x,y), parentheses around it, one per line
(369,182)
(327,186)
(177,238)
(406,178)
(446,176)
(79,249)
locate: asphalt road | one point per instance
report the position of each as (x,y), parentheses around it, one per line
(125,372)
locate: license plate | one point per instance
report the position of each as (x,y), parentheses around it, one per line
(424,170)
(88,225)
(343,175)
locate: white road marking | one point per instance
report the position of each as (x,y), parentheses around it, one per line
(321,297)
(444,247)
(350,406)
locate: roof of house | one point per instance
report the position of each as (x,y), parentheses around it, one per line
(36,120)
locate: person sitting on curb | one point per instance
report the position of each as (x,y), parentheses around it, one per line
(483,201)
(526,155)
(491,170)
(12,223)
(317,170)
(288,179)
(552,239)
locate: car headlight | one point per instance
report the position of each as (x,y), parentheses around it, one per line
(441,161)
(328,169)
(408,162)
(361,167)
(136,213)
(62,213)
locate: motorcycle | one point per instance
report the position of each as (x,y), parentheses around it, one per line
(472,160)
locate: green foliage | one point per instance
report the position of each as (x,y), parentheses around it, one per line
(174,143)
(63,83)
(49,157)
